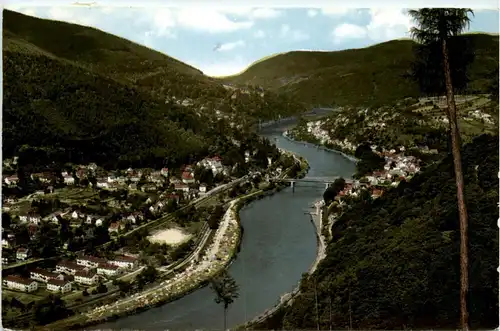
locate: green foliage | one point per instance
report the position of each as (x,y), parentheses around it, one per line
(146,276)
(50,309)
(427,69)
(371,76)
(368,161)
(332,191)
(395,261)
(226,291)
(182,250)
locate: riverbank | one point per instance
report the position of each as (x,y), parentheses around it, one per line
(351,157)
(217,257)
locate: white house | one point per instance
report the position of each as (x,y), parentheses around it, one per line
(74,214)
(115,226)
(68,179)
(5,243)
(35,219)
(21,284)
(164,172)
(181,187)
(23,218)
(22,253)
(98,222)
(89,261)
(112,179)
(69,267)
(59,285)
(11,180)
(108,270)
(203,188)
(102,184)
(44,275)
(124,261)
(187,178)
(54,217)
(86,277)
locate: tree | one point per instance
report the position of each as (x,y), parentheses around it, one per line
(437,26)
(6,220)
(50,309)
(334,189)
(226,291)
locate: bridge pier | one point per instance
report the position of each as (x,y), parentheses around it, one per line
(292,184)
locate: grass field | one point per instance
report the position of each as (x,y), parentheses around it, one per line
(24,297)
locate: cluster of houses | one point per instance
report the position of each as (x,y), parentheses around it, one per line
(184,186)
(86,271)
(314,128)
(153,180)
(397,167)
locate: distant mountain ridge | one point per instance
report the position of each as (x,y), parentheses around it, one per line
(361,76)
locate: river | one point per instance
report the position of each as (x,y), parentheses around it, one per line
(279,245)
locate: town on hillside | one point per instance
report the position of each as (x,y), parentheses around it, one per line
(85,230)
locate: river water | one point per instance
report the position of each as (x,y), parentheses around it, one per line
(279,245)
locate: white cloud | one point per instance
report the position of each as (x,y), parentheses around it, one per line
(335,11)
(259,34)
(385,24)
(294,35)
(265,13)
(312,12)
(230,46)
(388,23)
(208,21)
(349,31)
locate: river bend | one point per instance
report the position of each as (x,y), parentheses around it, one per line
(278,246)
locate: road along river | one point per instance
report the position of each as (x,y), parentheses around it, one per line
(279,245)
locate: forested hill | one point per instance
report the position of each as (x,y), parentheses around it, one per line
(370,76)
(395,261)
(74,93)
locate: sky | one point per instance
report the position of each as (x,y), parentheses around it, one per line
(223,41)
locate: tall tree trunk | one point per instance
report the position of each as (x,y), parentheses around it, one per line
(225,318)
(330,310)
(316,301)
(350,310)
(462,211)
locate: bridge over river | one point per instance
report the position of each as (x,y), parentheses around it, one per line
(327,181)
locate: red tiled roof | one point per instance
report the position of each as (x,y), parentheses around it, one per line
(125,258)
(19,280)
(70,265)
(85,274)
(92,259)
(186,175)
(57,282)
(45,273)
(114,225)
